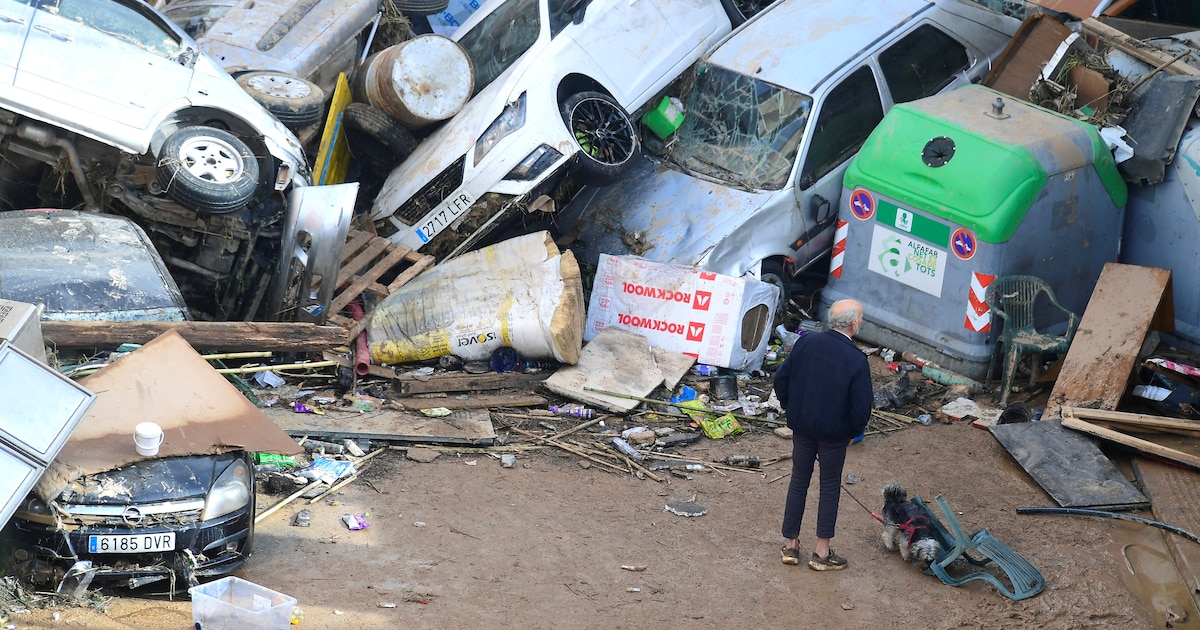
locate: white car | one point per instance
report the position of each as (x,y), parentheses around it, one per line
(107,105)
(752,180)
(555,83)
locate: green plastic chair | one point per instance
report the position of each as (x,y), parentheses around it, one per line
(1024,580)
(1013,300)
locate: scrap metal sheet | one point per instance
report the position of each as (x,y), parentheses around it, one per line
(1068,466)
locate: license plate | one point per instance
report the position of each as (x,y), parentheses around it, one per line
(132,543)
(444,214)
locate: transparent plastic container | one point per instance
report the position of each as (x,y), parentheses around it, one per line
(232,603)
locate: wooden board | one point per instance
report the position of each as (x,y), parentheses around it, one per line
(367,261)
(1135,422)
(1127,302)
(407,384)
(1068,466)
(1174,493)
(471,426)
(1144,446)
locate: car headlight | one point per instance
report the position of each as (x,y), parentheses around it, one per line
(509,120)
(231,491)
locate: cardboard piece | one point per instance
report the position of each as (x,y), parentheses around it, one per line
(981,416)
(169,383)
(720,320)
(618,361)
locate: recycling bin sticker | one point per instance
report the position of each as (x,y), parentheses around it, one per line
(904,259)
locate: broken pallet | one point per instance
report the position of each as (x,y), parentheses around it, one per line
(365,259)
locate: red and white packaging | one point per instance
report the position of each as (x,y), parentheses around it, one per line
(719,320)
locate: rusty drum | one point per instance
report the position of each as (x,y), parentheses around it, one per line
(418,82)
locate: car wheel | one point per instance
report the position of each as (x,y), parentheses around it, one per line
(207,170)
(607,138)
(294,101)
(741,10)
(772,272)
(378,141)
(419,7)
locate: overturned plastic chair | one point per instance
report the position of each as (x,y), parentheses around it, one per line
(1023,578)
(1013,299)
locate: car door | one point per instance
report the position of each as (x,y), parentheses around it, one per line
(103,61)
(923,62)
(15,18)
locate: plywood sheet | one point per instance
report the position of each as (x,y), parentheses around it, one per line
(1068,466)
(1174,493)
(1127,302)
(465,426)
(618,361)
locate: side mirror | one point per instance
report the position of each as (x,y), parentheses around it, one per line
(576,9)
(821,209)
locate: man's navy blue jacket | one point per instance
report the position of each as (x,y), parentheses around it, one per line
(824,385)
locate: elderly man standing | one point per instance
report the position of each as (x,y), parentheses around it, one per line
(824,386)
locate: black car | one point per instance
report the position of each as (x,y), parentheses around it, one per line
(178,519)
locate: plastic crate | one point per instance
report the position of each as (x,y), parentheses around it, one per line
(232,603)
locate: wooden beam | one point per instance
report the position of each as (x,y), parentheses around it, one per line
(1136,421)
(1136,48)
(1143,446)
(229,336)
(407,385)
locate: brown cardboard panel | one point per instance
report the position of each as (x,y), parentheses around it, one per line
(1026,56)
(168,382)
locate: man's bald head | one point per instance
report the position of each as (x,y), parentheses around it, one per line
(846,316)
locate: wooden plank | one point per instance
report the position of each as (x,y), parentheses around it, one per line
(1128,300)
(475,401)
(1135,421)
(228,336)
(423,263)
(362,260)
(1143,446)
(1068,466)
(407,385)
(1174,493)
(368,279)
(468,426)
(1135,48)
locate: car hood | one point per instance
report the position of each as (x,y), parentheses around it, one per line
(149,481)
(455,137)
(660,214)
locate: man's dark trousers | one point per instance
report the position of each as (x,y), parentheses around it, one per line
(805,452)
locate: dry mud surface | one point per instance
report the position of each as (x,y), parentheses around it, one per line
(463,542)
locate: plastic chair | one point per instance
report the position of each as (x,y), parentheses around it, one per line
(1013,299)
(1024,580)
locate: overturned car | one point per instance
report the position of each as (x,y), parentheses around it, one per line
(109,106)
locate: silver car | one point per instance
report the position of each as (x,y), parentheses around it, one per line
(108,105)
(752,180)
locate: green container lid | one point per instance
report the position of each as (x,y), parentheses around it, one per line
(997,164)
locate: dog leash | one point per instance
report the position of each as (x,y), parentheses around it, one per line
(877,517)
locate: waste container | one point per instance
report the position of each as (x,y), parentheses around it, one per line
(1162,229)
(954,190)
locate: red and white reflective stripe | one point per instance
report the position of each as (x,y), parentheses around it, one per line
(979,317)
(839,249)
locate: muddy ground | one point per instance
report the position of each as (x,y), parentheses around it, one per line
(464,542)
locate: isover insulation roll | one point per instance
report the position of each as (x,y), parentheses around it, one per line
(520,293)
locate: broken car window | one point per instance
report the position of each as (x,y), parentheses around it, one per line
(740,130)
(922,63)
(851,111)
(500,39)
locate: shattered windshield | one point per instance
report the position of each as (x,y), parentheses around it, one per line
(500,39)
(740,130)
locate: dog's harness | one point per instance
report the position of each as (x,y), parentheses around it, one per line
(912,525)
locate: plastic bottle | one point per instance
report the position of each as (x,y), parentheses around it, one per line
(706,370)
(744,461)
(628,450)
(925,419)
(787,337)
(533,366)
(573,411)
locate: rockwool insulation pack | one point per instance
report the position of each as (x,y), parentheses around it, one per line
(719,320)
(520,293)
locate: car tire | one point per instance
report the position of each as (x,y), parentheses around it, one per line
(207,170)
(772,272)
(294,101)
(607,138)
(378,141)
(419,8)
(741,10)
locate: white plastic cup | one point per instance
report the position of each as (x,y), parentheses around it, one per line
(147,437)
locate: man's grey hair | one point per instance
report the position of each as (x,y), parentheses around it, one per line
(841,319)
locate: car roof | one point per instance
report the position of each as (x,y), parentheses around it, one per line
(797,43)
